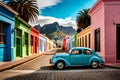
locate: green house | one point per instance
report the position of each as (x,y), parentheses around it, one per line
(22,38)
(71,42)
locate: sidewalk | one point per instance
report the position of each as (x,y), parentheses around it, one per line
(113,65)
(11,64)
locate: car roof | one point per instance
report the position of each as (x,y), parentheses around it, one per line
(80,48)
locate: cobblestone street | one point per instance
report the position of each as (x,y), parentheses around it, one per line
(40,69)
(90,74)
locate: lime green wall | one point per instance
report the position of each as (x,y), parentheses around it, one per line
(25,28)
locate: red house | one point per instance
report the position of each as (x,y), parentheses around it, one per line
(34,41)
(64,44)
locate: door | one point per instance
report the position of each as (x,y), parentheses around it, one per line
(36,45)
(76,57)
(18,47)
(87,55)
(18,42)
(26,43)
(118,41)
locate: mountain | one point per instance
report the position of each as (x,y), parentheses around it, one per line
(49,29)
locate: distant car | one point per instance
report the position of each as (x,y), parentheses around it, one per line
(75,57)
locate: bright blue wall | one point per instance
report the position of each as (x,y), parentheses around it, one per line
(7,50)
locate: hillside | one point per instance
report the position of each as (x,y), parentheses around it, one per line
(53,29)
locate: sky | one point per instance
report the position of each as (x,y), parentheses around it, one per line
(62,11)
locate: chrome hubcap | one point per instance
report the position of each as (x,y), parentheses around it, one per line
(60,65)
(95,64)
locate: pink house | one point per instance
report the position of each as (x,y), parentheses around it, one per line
(105,24)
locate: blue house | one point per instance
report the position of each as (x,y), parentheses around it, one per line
(7,17)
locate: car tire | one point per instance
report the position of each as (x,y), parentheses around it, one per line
(60,65)
(95,64)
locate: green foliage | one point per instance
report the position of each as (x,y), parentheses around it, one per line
(83,19)
(27,9)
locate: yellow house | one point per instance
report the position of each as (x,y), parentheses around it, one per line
(83,39)
(50,44)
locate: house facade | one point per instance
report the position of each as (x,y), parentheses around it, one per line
(83,39)
(50,44)
(105,24)
(43,43)
(7,18)
(22,38)
(64,43)
(71,42)
(34,41)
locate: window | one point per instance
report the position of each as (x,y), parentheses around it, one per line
(89,40)
(31,40)
(85,40)
(36,41)
(86,51)
(76,52)
(26,38)
(78,42)
(2,35)
(82,41)
(97,40)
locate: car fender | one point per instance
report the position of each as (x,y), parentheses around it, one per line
(95,58)
(61,59)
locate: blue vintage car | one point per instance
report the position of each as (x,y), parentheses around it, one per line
(77,56)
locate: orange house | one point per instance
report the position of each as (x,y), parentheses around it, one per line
(34,41)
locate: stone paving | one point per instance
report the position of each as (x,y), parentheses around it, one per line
(40,69)
(72,75)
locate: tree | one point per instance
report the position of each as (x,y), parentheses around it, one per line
(83,19)
(27,9)
(79,29)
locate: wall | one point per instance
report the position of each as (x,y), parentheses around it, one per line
(80,42)
(112,13)
(25,28)
(34,49)
(97,21)
(43,43)
(105,15)
(7,17)
(71,42)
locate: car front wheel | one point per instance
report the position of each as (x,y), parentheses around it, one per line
(95,64)
(60,65)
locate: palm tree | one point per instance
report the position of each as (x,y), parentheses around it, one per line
(27,9)
(83,19)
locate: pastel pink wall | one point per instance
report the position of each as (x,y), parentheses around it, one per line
(105,14)
(112,17)
(97,21)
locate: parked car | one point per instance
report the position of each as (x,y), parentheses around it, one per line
(75,57)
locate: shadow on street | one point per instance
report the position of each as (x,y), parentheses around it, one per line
(70,68)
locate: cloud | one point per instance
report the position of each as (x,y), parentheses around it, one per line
(42,20)
(47,3)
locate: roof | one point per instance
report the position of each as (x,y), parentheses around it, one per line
(8,8)
(95,6)
(23,21)
(81,48)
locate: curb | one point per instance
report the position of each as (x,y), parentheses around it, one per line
(116,67)
(14,64)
